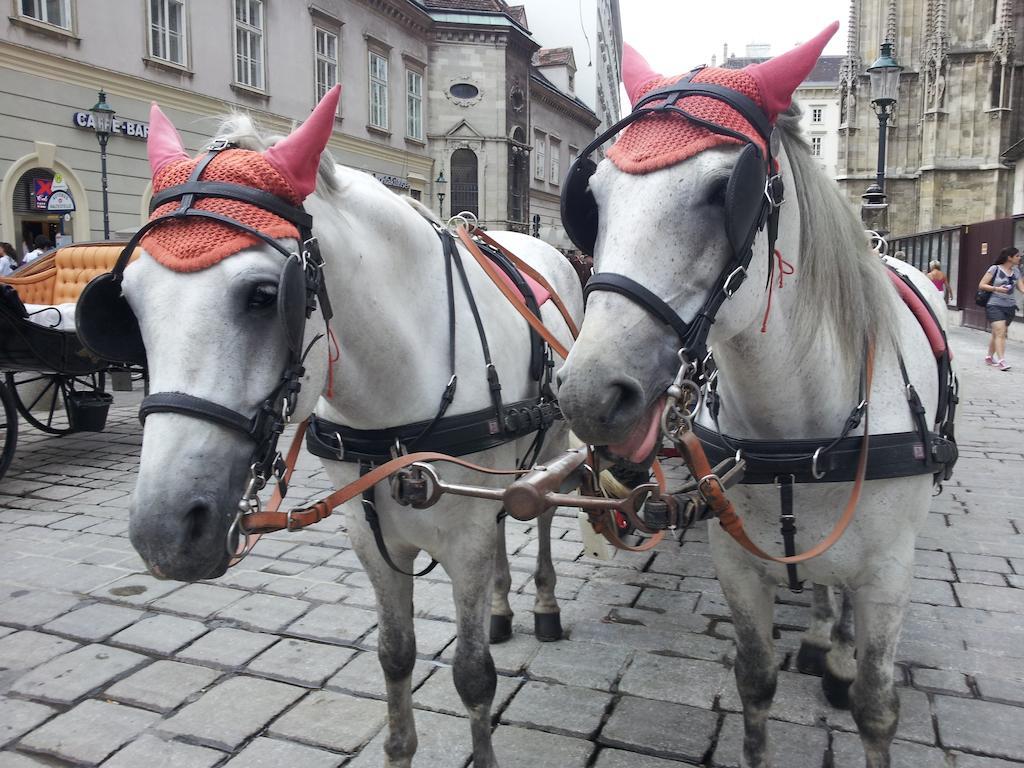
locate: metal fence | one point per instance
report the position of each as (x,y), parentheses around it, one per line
(941,245)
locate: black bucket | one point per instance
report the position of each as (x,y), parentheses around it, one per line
(87,411)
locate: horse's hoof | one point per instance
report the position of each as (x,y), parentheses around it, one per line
(836,689)
(547,627)
(810,660)
(501,628)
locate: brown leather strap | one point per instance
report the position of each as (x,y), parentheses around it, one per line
(512,295)
(272,520)
(713,492)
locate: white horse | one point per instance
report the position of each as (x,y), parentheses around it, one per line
(666,228)
(214,334)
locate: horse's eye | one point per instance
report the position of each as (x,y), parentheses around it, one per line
(263,296)
(716,193)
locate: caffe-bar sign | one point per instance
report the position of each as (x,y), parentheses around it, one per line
(132,128)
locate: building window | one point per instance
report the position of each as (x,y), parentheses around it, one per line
(55,12)
(816,113)
(464,182)
(540,163)
(414,104)
(574,153)
(556,162)
(249,43)
(326,61)
(378,91)
(167,30)
(815,146)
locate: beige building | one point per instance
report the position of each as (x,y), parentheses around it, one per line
(198,60)
(949,158)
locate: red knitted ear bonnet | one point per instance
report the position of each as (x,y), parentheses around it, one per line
(188,245)
(653,143)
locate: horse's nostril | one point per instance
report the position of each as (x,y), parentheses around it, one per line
(196,520)
(620,397)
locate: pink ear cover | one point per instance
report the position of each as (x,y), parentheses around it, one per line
(779,77)
(636,72)
(297,156)
(163,145)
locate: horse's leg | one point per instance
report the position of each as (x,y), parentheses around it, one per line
(751,601)
(816,642)
(547,621)
(396,639)
(840,665)
(473,668)
(501,611)
(879,608)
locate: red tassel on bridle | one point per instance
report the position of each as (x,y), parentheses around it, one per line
(785,268)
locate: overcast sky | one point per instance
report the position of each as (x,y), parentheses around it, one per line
(677,35)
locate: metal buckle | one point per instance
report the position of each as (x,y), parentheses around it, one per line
(769,189)
(739,272)
(814,463)
(218,144)
(341,447)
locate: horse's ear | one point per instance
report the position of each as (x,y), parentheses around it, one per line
(777,78)
(163,144)
(297,156)
(636,72)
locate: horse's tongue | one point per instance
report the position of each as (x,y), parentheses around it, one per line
(638,447)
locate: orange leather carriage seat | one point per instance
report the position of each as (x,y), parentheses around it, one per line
(65,272)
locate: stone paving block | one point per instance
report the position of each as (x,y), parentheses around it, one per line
(667,601)
(1000,599)
(363,676)
(432,637)
(28,648)
(334,721)
(89,732)
(793,746)
(932,592)
(983,577)
(438,693)
(95,622)
(136,589)
(616,758)
(510,657)
(18,717)
(661,729)
(18,760)
(683,681)
(269,613)
(271,753)
(227,647)
(301,662)
(163,685)
(1000,689)
(976,761)
(231,712)
(160,634)
(560,709)
(327,593)
(69,677)
(941,681)
(981,727)
(609,594)
(980,563)
(153,752)
(444,742)
(27,608)
(561,663)
(287,586)
(341,624)
(199,600)
(521,748)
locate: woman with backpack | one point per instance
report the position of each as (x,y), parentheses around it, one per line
(1000,280)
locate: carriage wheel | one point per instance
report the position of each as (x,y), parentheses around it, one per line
(42,398)
(8,428)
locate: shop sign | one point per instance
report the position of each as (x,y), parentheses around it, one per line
(131,128)
(41,191)
(61,202)
(58,182)
(391,181)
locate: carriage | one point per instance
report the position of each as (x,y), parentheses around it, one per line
(48,378)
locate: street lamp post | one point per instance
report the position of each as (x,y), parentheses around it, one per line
(885,85)
(440,181)
(103,124)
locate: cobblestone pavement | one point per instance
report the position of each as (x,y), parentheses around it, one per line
(274,663)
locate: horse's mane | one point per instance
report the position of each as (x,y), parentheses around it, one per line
(843,290)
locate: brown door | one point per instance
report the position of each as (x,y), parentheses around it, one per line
(978,249)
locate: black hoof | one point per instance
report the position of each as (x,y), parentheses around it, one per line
(810,660)
(547,627)
(837,690)
(501,629)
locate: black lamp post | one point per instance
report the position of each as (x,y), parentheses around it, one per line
(885,85)
(103,124)
(440,181)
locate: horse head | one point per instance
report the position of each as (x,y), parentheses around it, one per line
(221,295)
(690,190)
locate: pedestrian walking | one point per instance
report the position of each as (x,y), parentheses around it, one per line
(8,259)
(939,279)
(42,245)
(1001,279)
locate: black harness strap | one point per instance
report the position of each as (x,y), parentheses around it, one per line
(788,520)
(373,520)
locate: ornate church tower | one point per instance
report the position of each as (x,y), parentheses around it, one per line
(958,114)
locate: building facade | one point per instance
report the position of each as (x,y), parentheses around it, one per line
(199,61)
(949,158)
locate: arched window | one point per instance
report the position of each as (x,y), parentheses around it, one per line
(465,191)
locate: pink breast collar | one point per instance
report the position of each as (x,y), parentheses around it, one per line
(539,292)
(916,305)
